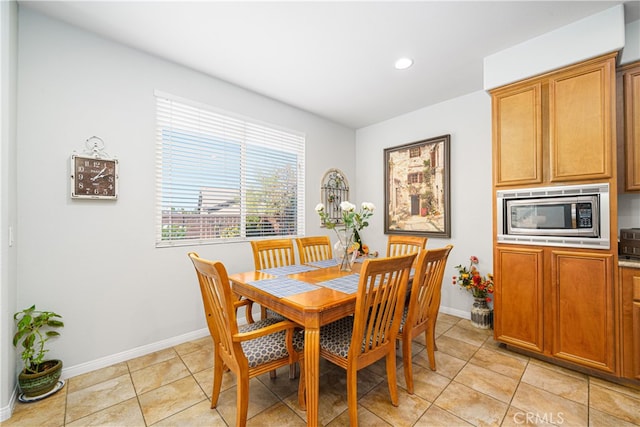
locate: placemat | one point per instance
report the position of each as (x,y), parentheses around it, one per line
(324,263)
(347,284)
(286,270)
(283,286)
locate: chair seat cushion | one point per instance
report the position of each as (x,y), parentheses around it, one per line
(336,336)
(404,318)
(269,347)
(258,325)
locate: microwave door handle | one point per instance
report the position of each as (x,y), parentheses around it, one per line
(573,216)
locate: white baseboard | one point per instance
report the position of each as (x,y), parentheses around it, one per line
(7,411)
(103,362)
(455,312)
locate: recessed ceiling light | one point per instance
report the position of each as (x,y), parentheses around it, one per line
(403,63)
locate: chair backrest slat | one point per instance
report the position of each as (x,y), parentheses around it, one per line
(272,253)
(427,284)
(403,244)
(314,248)
(379,303)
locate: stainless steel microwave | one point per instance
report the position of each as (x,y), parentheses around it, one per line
(575,216)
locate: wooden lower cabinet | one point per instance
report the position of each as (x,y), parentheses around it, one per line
(635,329)
(582,306)
(518,317)
(629,283)
(558,303)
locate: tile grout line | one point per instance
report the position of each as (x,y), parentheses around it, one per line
(133,384)
(450,379)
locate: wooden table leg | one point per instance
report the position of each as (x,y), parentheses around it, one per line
(312,372)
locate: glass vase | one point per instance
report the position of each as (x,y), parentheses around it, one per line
(341,249)
(481,314)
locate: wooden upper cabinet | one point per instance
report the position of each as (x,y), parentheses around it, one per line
(558,127)
(581,101)
(517,135)
(631,119)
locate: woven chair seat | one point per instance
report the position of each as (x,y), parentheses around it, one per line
(405,312)
(336,336)
(257,325)
(270,347)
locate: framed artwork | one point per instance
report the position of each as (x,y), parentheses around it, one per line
(416,180)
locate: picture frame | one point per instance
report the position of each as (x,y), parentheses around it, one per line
(417,188)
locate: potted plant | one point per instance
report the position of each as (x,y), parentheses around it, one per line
(33,330)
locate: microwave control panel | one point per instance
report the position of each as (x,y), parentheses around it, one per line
(585,215)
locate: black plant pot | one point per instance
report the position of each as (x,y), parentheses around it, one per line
(33,385)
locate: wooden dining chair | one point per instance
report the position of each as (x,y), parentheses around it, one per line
(272,253)
(314,248)
(421,311)
(355,342)
(249,350)
(403,244)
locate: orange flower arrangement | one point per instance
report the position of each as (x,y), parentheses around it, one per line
(471,280)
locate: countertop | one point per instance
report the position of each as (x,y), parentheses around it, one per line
(628,262)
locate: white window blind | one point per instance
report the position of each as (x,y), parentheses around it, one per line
(223,178)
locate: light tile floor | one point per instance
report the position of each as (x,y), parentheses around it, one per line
(476,383)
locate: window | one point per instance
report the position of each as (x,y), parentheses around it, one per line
(414,178)
(224,178)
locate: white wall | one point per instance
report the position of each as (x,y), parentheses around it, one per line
(592,36)
(468,120)
(8,255)
(631,51)
(94,262)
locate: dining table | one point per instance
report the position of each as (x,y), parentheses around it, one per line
(311,295)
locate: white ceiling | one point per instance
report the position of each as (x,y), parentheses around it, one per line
(334,59)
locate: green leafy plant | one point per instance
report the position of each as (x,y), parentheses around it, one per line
(34,328)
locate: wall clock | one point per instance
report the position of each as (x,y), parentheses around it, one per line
(95,175)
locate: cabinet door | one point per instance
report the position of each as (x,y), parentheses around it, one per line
(634,357)
(631,84)
(583,305)
(518,306)
(581,102)
(517,135)
(629,285)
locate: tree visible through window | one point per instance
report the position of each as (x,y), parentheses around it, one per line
(223,178)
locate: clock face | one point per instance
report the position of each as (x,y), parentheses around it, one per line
(94,178)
